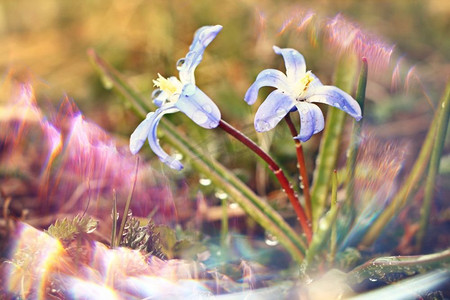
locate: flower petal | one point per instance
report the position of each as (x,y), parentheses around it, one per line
(198,106)
(311,120)
(140,134)
(272,110)
(336,97)
(159,97)
(153,138)
(294,62)
(202,38)
(268,77)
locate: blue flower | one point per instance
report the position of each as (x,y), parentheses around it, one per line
(173,95)
(297,89)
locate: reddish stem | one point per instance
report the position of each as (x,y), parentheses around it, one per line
(303,220)
(301,166)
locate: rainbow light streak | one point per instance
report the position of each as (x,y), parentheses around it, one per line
(410,288)
(34,258)
(379,164)
(347,37)
(124,273)
(15,115)
(299,20)
(395,81)
(92,156)
(89,165)
(82,289)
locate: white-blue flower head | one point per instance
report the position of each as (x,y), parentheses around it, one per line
(297,88)
(174,95)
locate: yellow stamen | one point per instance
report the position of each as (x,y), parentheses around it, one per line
(165,84)
(305,81)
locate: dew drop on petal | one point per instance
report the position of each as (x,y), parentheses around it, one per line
(262,125)
(189,89)
(199,117)
(207,108)
(156,93)
(337,105)
(281,112)
(180,63)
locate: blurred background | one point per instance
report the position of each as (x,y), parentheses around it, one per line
(45,43)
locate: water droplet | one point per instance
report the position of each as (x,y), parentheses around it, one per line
(180,63)
(221,195)
(205,181)
(207,108)
(373,279)
(270,239)
(117,216)
(107,83)
(302,186)
(281,112)
(234,205)
(344,107)
(178,156)
(156,93)
(189,89)
(199,117)
(336,104)
(262,125)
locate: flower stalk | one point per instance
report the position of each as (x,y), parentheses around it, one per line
(301,167)
(275,168)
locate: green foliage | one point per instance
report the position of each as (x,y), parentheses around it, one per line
(179,244)
(68,229)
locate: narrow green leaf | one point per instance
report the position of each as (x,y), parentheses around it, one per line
(411,184)
(433,170)
(328,152)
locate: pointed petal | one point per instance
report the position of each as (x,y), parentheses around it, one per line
(311,120)
(272,110)
(268,77)
(153,138)
(202,38)
(334,96)
(294,62)
(140,134)
(198,106)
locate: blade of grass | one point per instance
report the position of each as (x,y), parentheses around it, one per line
(255,207)
(333,238)
(127,204)
(329,146)
(442,126)
(325,227)
(411,184)
(354,145)
(114,220)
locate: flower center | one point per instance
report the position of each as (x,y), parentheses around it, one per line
(171,86)
(303,84)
